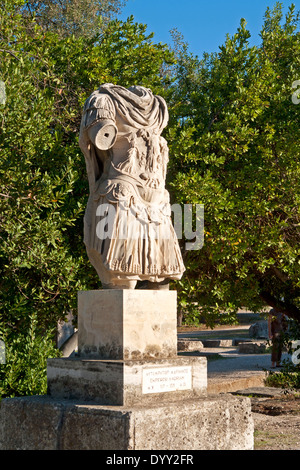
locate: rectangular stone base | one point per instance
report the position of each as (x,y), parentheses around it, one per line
(116,382)
(128,324)
(43,423)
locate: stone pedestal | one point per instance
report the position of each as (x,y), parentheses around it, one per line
(127,352)
(127,324)
(127,383)
(43,423)
(127,389)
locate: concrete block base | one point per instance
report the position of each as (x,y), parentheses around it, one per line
(44,423)
(127,389)
(127,383)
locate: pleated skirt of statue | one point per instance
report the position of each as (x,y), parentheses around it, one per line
(132,246)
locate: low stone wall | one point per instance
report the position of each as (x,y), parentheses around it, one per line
(41,423)
(252,347)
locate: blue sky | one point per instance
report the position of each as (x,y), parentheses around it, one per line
(204,24)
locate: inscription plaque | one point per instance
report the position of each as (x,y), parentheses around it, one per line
(167,379)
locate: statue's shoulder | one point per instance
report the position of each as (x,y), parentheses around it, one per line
(98,100)
(99,106)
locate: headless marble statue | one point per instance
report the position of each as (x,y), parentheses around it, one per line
(128,230)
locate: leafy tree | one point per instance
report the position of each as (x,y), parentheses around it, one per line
(235,148)
(43,183)
(25,367)
(78,17)
(37,177)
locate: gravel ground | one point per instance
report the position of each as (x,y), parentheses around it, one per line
(276,423)
(276,417)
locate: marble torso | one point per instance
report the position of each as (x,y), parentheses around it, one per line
(126,159)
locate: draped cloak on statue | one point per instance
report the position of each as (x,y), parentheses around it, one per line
(128,230)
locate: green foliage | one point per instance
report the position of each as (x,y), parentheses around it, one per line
(38,172)
(288,378)
(43,182)
(25,369)
(235,148)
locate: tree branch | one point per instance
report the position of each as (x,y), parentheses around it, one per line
(285,307)
(9,52)
(279,274)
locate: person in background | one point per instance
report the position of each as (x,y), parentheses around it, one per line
(276,327)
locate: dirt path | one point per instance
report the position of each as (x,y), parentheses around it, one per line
(276,418)
(276,423)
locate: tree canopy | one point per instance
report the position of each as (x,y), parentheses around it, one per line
(235,148)
(43,182)
(78,17)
